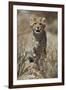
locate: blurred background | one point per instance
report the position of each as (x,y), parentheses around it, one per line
(23,20)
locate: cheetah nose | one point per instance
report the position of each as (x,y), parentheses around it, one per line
(37,27)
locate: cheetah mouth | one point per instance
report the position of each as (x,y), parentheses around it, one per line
(38,31)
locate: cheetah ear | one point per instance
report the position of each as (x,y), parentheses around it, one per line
(44,22)
(32,20)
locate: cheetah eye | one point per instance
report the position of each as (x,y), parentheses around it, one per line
(40,23)
(35,23)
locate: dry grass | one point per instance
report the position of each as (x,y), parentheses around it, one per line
(25,69)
